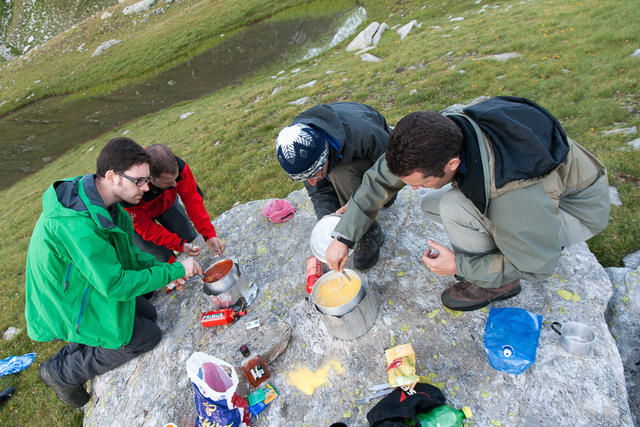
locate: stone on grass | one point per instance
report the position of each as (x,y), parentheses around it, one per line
(635,144)
(367,57)
(185,115)
(10,333)
(299,101)
(154,388)
(370,36)
(306,85)
(404,30)
(104,46)
(636,53)
(276,90)
(138,7)
(106,15)
(614,196)
(501,57)
(621,131)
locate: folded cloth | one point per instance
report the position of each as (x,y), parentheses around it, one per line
(400,406)
(278,210)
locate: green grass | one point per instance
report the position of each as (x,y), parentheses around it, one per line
(575,62)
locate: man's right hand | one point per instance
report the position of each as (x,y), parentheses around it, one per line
(337,255)
(191,267)
(191,250)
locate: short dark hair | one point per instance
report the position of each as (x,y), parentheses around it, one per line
(423,141)
(161,160)
(118,155)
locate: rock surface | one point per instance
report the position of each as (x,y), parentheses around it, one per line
(449,347)
(623,316)
(370,36)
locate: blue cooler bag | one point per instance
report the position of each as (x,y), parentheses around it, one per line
(511,339)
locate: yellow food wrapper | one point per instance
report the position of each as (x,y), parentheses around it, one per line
(401,366)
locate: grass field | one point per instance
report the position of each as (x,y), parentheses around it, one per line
(575,60)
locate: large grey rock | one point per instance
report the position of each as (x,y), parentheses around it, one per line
(587,391)
(623,315)
(138,7)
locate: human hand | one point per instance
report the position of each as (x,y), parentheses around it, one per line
(176,284)
(191,267)
(439,259)
(191,250)
(342,209)
(216,245)
(337,255)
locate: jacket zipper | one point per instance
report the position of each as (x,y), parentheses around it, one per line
(66,279)
(84,298)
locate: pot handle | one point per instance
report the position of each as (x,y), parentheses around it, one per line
(558,325)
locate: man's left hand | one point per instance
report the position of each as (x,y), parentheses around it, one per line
(444,264)
(216,245)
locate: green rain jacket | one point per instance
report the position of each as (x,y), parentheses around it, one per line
(520,170)
(83,271)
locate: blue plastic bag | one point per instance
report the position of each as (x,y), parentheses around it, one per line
(511,339)
(13,364)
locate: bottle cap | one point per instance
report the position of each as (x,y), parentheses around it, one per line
(467,412)
(245,350)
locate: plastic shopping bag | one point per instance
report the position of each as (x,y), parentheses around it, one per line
(215,392)
(511,339)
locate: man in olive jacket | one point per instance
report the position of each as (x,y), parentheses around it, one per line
(84,276)
(522,191)
(330,147)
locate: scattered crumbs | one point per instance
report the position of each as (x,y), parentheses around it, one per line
(495,422)
(404,327)
(346,414)
(400,273)
(485,394)
(433,313)
(569,296)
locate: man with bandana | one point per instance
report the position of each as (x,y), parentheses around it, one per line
(330,147)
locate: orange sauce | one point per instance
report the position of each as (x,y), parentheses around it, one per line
(217,271)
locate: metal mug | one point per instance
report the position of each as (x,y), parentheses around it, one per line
(576,338)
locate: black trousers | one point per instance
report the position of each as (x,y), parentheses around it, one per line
(175,220)
(76,363)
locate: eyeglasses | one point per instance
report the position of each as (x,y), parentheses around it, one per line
(137,181)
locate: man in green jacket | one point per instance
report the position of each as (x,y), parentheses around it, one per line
(84,275)
(521,191)
(330,147)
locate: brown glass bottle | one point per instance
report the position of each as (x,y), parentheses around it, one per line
(255,370)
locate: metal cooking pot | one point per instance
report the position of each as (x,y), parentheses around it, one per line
(576,338)
(230,288)
(338,310)
(352,319)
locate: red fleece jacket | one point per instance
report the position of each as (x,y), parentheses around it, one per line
(155,202)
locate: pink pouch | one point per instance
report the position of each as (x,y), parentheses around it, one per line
(278,210)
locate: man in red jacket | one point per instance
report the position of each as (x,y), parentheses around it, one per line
(160,222)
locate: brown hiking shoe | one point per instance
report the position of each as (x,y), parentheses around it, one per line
(465,296)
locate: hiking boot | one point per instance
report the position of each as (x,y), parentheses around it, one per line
(74,396)
(465,296)
(368,248)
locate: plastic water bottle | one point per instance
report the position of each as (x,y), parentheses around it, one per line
(444,416)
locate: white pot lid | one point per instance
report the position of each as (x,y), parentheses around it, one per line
(321,235)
